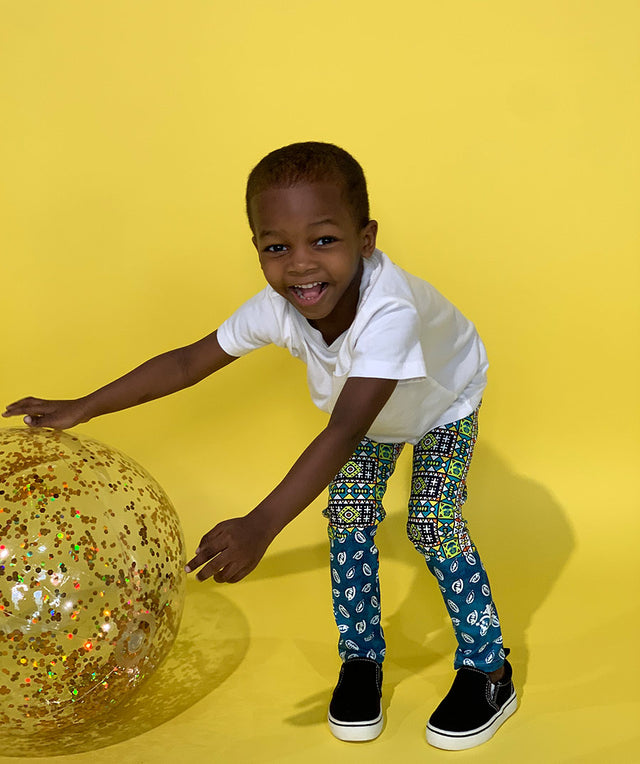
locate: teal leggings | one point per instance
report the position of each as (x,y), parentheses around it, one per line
(436,528)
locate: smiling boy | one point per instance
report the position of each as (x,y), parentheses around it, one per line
(392,362)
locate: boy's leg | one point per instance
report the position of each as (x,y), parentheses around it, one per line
(439,532)
(354,512)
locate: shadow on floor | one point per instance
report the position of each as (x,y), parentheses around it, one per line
(525,540)
(194,668)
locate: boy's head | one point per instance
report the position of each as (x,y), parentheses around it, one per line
(311,162)
(309,213)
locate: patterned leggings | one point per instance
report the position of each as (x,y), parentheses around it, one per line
(435,527)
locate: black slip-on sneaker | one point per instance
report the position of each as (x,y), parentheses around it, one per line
(355,711)
(473,709)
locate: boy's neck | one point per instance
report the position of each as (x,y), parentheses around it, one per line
(341,317)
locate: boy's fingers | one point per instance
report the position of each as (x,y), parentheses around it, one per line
(28,406)
(32,421)
(43,421)
(13,409)
(205,554)
(196,562)
(15,404)
(213,568)
(28,401)
(40,420)
(229,571)
(237,576)
(224,576)
(216,570)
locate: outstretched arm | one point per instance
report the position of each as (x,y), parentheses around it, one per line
(155,378)
(234,547)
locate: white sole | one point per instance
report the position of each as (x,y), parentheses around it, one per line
(356,732)
(459,741)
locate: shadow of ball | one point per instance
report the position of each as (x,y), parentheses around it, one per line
(211,644)
(92,579)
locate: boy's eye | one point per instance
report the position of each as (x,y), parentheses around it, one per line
(323,240)
(275,249)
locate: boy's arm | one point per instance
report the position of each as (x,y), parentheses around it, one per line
(233,548)
(155,378)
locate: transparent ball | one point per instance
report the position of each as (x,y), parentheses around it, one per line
(91,578)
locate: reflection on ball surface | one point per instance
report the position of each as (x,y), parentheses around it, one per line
(91,578)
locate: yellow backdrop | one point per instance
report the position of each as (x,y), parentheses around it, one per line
(500,142)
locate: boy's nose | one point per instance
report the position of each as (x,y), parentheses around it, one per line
(302,261)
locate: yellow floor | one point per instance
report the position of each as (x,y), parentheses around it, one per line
(500,142)
(250,675)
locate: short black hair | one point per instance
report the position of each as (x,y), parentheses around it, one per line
(311,162)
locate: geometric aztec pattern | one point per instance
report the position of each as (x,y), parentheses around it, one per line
(356,492)
(438,489)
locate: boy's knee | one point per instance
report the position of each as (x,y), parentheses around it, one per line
(423,534)
(431,539)
(436,541)
(345,515)
(357,543)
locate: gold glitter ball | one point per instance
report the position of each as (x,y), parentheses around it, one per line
(92,578)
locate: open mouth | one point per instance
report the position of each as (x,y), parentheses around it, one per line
(308,294)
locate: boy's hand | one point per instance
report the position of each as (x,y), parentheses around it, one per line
(231,550)
(43,413)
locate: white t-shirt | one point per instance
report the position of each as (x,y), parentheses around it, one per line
(404,329)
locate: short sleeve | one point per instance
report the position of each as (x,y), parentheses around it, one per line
(253,325)
(388,345)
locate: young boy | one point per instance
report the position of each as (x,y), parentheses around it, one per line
(392,362)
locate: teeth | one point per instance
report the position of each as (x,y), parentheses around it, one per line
(307,286)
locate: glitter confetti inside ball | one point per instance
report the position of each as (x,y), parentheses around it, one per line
(91,578)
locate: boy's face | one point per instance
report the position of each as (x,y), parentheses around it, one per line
(311,250)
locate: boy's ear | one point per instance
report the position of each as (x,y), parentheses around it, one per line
(255,243)
(368,238)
